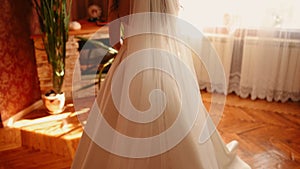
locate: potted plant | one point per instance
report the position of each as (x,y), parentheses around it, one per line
(54,17)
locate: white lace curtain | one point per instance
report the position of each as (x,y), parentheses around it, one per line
(258,43)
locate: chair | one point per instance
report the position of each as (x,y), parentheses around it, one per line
(89,60)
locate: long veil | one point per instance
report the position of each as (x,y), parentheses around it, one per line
(149,113)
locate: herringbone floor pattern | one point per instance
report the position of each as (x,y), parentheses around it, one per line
(268,133)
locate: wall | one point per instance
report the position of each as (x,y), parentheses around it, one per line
(19,86)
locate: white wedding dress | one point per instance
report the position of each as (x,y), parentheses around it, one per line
(149,113)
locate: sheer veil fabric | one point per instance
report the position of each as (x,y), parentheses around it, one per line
(151,89)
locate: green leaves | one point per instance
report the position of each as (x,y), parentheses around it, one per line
(54,17)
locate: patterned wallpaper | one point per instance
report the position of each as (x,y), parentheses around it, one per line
(19,86)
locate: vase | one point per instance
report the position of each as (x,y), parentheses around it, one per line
(54,102)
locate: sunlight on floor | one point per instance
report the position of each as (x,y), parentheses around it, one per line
(65,124)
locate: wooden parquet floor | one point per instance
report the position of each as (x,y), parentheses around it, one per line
(28,158)
(268,132)
(268,135)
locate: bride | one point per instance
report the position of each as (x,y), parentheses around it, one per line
(149,113)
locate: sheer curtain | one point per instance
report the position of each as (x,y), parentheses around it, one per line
(258,43)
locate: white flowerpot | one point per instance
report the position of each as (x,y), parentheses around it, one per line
(55,103)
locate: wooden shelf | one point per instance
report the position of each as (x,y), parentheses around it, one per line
(86,28)
(90,28)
